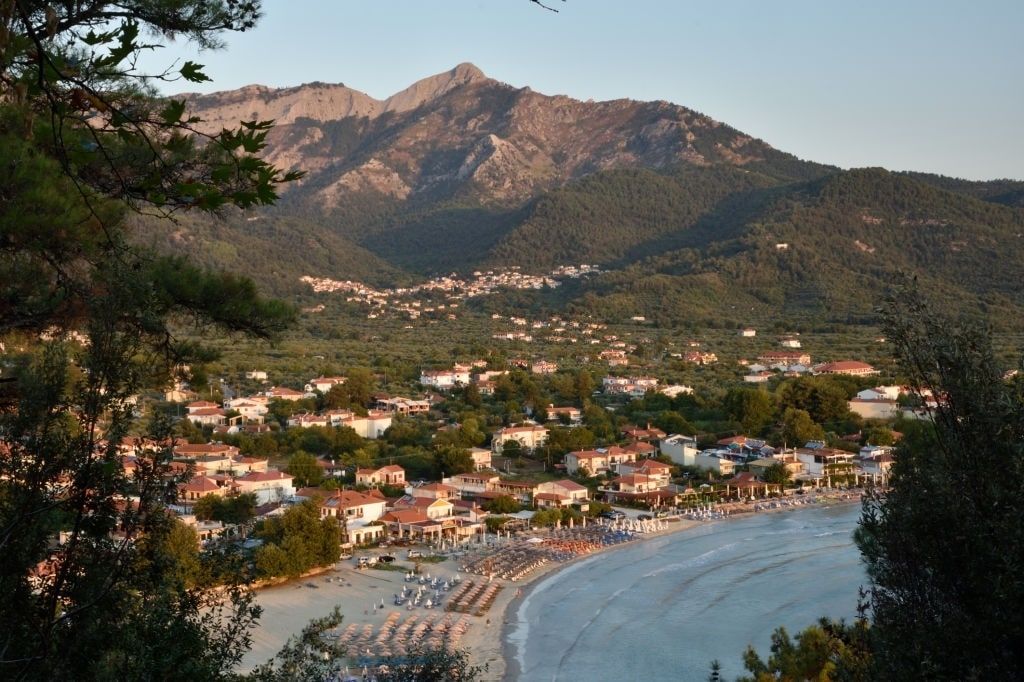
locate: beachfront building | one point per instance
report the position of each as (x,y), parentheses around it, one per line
(658,472)
(793,465)
(416,525)
(875,461)
(821,460)
(561,493)
(746,485)
(431,507)
(357,511)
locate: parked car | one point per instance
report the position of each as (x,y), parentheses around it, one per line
(644,517)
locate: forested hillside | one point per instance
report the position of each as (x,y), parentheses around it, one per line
(691,221)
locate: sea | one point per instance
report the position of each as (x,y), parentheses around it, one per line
(665,608)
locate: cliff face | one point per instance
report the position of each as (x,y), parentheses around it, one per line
(461,134)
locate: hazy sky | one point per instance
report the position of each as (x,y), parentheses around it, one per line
(926,85)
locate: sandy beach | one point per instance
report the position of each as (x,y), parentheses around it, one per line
(474,588)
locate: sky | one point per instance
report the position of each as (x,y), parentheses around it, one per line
(922,85)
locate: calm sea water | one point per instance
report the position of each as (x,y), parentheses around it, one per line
(663,609)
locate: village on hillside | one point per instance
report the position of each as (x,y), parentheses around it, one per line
(640,466)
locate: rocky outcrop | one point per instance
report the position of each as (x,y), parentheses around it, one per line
(460,133)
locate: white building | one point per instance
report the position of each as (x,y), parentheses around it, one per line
(680,449)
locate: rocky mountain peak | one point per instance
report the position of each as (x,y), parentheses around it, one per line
(433,87)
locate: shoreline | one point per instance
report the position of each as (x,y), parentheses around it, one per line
(483,583)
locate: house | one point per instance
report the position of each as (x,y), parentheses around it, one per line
(445,379)
(372,426)
(305,421)
(875,461)
(633,386)
(481,458)
(256,375)
(347,504)
(544,367)
(821,461)
(599,461)
(714,461)
(699,358)
(529,437)
(399,405)
(252,410)
(877,408)
(793,465)
(267,486)
(432,507)
(745,484)
(568,415)
(435,491)
(521,491)
(226,429)
(561,493)
(471,484)
(413,523)
(324,384)
(206,416)
(633,488)
(785,358)
(680,449)
(207,458)
(657,472)
(283,393)
(358,513)
(748,333)
(676,390)
(637,433)
(201,486)
(199,405)
(849,367)
(390,474)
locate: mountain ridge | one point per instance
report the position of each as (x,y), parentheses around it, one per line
(459,172)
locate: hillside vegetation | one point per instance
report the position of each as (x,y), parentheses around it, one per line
(693,222)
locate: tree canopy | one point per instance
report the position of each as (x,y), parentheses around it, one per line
(944,545)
